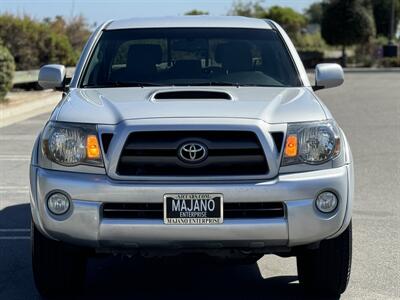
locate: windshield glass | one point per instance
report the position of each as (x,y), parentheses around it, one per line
(190,57)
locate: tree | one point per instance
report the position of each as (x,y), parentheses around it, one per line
(288,18)
(196,12)
(382,10)
(314,13)
(345,23)
(250,9)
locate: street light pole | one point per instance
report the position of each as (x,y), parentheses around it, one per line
(392,22)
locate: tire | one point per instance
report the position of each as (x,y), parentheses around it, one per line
(327,269)
(58,268)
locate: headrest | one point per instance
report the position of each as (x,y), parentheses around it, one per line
(144,54)
(188,64)
(234,56)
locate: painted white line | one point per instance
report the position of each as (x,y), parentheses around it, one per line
(15,158)
(14,192)
(14,155)
(15,237)
(14,187)
(15,230)
(34,122)
(17,137)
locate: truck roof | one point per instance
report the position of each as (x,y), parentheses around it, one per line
(189,21)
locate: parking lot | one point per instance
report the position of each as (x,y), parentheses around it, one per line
(367,107)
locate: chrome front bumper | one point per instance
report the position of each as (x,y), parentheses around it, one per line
(84,225)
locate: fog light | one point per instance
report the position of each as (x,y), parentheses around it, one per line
(58,203)
(326,202)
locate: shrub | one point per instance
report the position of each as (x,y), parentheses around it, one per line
(389,62)
(33,43)
(7,68)
(75,29)
(367,54)
(311,58)
(309,42)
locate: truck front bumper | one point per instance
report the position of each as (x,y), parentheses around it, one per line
(84,224)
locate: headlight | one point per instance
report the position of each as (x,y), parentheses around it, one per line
(71,144)
(311,143)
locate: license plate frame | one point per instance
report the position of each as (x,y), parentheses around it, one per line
(194,216)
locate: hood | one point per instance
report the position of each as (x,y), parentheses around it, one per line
(113,105)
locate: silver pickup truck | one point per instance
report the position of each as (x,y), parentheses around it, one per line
(191,134)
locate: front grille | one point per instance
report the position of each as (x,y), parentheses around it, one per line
(253,210)
(156,154)
(106,140)
(241,210)
(133,210)
(278,139)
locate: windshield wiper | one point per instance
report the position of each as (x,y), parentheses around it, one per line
(122,84)
(216,83)
(236,84)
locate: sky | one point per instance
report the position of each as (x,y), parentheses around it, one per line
(98,11)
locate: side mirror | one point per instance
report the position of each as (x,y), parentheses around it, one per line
(52,76)
(328,76)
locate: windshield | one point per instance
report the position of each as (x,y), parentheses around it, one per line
(190,57)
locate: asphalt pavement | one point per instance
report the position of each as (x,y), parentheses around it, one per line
(367,107)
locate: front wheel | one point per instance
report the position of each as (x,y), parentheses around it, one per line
(327,269)
(58,268)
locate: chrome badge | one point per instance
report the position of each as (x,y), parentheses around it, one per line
(192,152)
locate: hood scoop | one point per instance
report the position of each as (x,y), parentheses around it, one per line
(191,95)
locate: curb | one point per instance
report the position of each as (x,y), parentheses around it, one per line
(27,109)
(372,70)
(366,70)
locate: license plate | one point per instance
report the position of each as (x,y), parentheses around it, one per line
(185,209)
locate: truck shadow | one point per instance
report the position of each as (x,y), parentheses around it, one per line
(109,277)
(185,278)
(15,216)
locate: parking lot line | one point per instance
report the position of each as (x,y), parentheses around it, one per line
(15,230)
(23,189)
(20,137)
(24,233)
(14,187)
(13,157)
(14,192)
(15,237)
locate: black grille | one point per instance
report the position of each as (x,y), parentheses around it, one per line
(133,210)
(156,154)
(253,210)
(278,139)
(106,140)
(243,210)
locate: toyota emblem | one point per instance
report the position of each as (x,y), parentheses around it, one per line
(192,152)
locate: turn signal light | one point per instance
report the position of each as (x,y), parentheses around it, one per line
(92,147)
(291,146)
